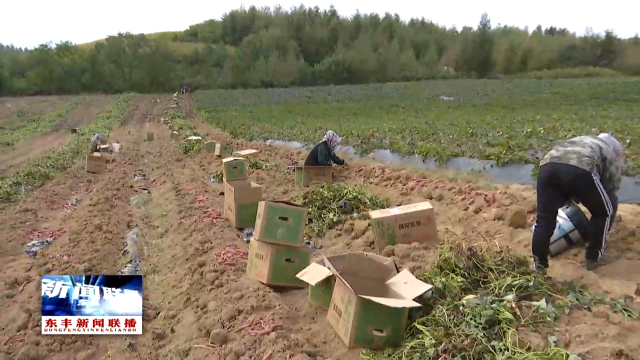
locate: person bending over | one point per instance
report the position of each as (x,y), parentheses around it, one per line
(588,170)
(96,141)
(324,154)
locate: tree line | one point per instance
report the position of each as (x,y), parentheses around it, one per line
(253,48)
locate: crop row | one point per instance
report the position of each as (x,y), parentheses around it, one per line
(505,121)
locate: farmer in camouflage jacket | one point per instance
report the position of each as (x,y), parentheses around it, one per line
(587,169)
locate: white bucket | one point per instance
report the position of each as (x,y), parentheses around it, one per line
(571,229)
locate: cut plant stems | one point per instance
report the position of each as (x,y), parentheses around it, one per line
(507,121)
(484,303)
(45,168)
(258,164)
(190,147)
(330,204)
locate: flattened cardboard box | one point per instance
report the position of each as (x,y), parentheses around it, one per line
(280,222)
(305,175)
(223,150)
(95,163)
(241,200)
(248,153)
(404,225)
(234,168)
(370,306)
(277,265)
(321,281)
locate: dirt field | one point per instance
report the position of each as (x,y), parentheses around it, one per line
(15,156)
(188,295)
(34,105)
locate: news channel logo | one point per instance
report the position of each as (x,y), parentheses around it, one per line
(92,304)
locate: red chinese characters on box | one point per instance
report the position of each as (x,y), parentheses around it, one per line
(95,325)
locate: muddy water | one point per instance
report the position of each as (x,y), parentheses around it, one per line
(508,174)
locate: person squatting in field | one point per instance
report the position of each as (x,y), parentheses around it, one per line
(324,154)
(588,170)
(96,141)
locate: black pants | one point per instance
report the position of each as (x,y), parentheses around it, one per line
(560,183)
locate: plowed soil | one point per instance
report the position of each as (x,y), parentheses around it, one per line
(195,308)
(32,105)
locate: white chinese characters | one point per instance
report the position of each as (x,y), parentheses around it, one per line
(85,294)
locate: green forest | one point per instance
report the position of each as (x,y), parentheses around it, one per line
(271,47)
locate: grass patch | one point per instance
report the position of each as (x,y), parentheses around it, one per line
(510,121)
(45,168)
(484,304)
(330,204)
(22,127)
(258,164)
(570,73)
(191,147)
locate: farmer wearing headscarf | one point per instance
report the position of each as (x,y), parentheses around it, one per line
(323,154)
(95,143)
(586,169)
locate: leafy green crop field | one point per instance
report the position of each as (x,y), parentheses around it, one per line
(508,121)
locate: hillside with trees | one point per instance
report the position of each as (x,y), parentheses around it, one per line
(253,48)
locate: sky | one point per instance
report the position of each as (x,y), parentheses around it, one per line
(31,23)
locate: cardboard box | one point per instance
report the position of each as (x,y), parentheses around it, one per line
(174,135)
(210,146)
(103,148)
(150,136)
(404,225)
(241,200)
(321,281)
(234,168)
(277,265)
(223,150)
(280,222)
(95,163)
(305,175)
(370,302)
(246,153)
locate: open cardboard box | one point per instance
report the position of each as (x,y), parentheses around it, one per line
(370,302)
(321,281)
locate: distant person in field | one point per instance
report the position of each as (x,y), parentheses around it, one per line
(96,141)
(324,154)
(588,170)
